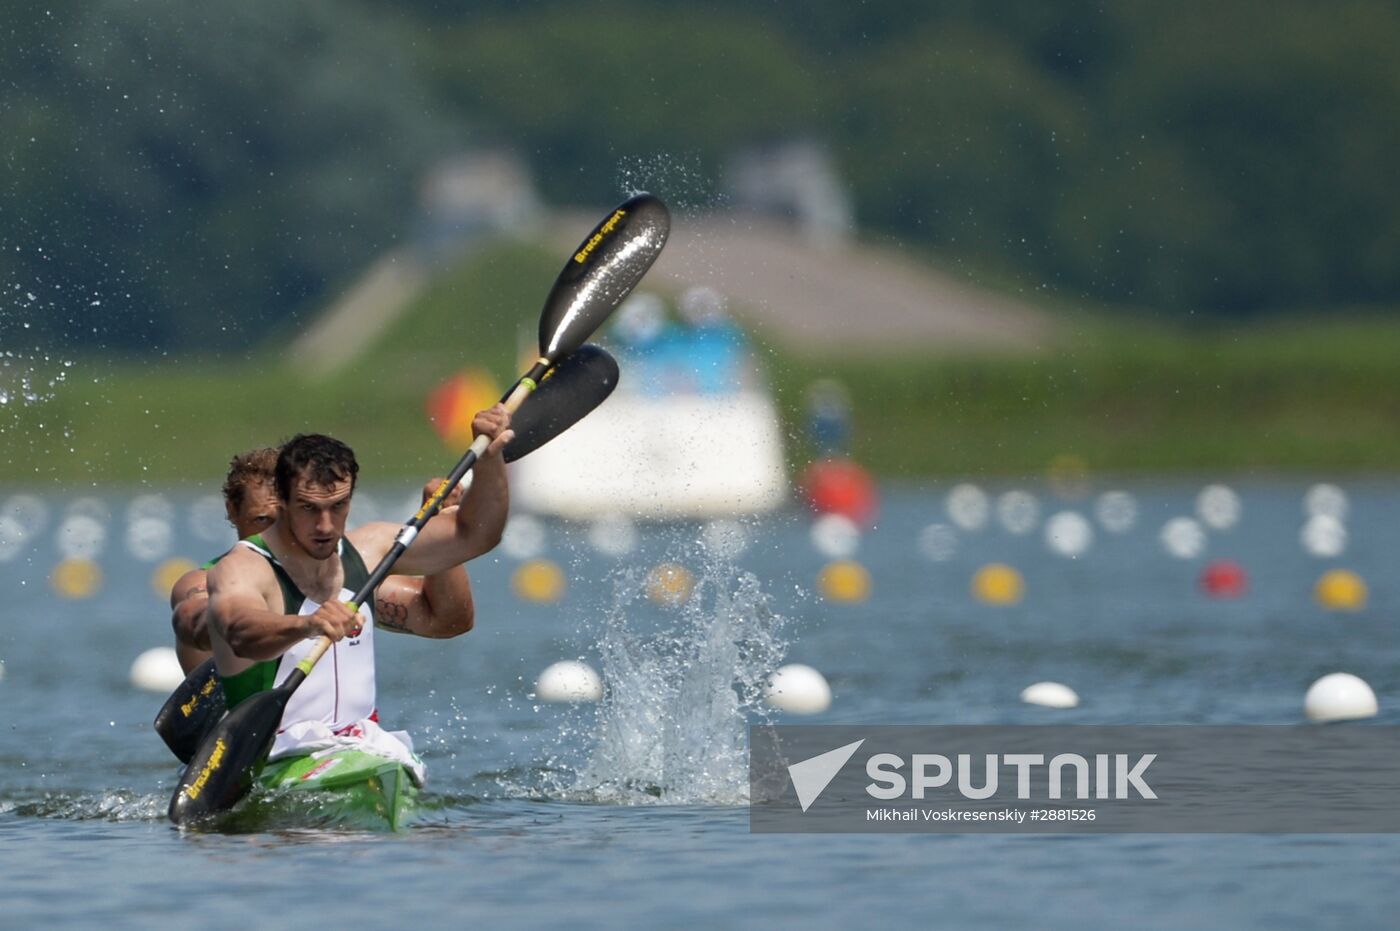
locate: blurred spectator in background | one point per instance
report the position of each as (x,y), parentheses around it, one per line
(829,417)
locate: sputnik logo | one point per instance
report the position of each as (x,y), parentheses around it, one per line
(811,776)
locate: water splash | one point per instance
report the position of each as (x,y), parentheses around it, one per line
(681,180)
(118,805)
(29,379)
(672,727)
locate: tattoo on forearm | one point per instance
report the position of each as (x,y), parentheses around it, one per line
(391,615)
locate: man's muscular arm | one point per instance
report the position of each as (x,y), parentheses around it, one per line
(450,539)
(438,606)
(240,617)
(189,599)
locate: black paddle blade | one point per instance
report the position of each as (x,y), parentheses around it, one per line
(602,271)
(568,393)
(229,758)
(191,710)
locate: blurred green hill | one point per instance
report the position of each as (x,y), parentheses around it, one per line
(1120,396)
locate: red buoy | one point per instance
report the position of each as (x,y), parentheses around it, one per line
(1224,578)
(840,486)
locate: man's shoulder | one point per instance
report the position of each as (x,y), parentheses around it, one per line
(240,563)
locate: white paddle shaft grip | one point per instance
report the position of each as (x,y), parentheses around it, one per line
(516,398)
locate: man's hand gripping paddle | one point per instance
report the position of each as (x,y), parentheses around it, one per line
(570,391)
(604,269)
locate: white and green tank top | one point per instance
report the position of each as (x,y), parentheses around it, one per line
(340,689)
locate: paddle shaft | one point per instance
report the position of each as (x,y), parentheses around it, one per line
(512,401)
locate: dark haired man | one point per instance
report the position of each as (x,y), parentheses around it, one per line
(439,605)
(277,593)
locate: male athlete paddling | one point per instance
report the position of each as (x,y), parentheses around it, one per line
(273,596)
(437,606)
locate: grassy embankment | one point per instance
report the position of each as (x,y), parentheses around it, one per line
(1281,396)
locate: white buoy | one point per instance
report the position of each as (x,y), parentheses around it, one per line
(613,535)
(569,681)
(1050,695)
(157,507)
(1218,507)
(799,689)
(1339,696)
(31,513)
(95,508)
(1183,537)
(81,537)
(726,539)
(968,507)
(524,537)
(1324,536)
(2,669)
(157,670)
(207,520)
(835,536)
(1018,512)
(1116,511)
(1326,500)
(13,536)
(149,538)
(1069,534)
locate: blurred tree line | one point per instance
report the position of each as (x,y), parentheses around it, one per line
(176,174)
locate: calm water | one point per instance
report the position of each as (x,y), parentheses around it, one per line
(633,811)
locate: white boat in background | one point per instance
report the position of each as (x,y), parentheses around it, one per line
(691,431)
(676,456)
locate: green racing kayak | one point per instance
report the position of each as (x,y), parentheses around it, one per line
(351,786)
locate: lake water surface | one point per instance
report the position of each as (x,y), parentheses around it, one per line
(633,811)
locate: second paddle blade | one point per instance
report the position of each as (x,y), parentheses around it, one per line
(229,758)
(570,391)
(191,710)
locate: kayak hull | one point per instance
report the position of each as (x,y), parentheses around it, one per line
(354,787)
